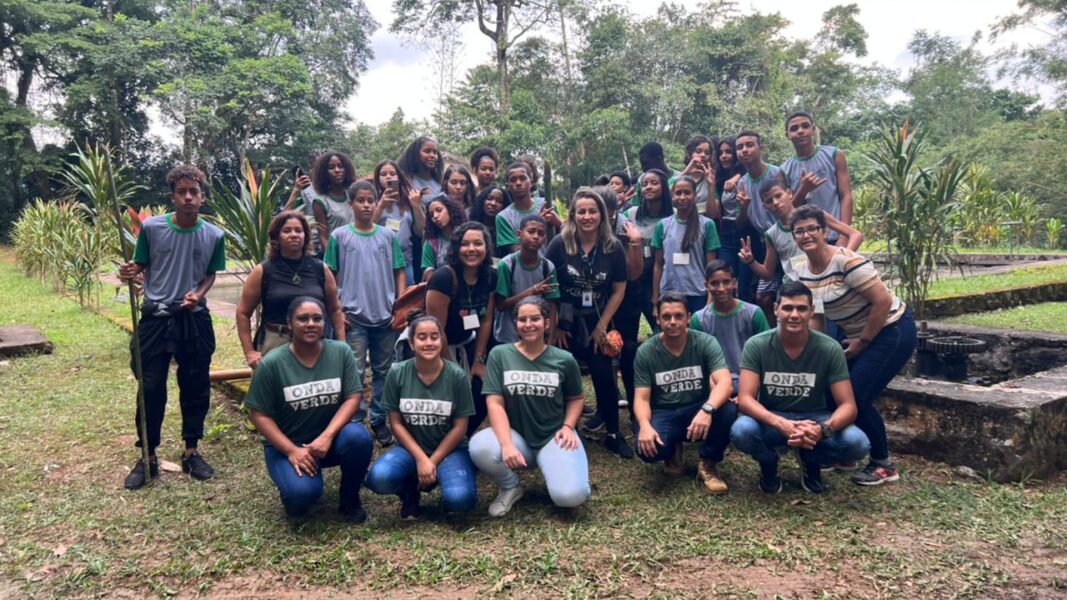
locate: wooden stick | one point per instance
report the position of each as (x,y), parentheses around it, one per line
(127,255)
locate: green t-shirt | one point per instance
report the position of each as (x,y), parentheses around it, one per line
(428,410)
(800,385)
(303,400)
(678,380)
(535,391)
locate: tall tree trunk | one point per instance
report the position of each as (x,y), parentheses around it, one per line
(38,179)
(503,14)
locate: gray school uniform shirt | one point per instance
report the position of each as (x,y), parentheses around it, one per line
(821,163)
(176,260)
(687,278)
(338,213)
(789,254)
(508,220)
(732,330)
(401,225)
(513,277)
(365,264)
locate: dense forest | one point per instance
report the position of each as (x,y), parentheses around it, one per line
(581,84)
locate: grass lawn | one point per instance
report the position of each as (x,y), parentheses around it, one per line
(1022,276)
(871,246)
(1050,317)
(67,528)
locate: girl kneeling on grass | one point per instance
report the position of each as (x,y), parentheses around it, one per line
(429,402)
(302,399)
(535,398)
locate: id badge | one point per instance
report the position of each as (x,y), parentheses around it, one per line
(680,258)
(818,306)
(648,251)
(587,299)
(393,224)
(471,322)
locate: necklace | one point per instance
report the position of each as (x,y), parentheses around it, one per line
(296,272)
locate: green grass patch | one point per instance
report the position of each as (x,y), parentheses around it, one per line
(872,246)
(67,528)
(1050,317)
(976,284)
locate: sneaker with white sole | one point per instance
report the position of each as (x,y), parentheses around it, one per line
(876,474)
(503,502)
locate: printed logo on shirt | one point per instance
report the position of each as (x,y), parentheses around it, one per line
(787,385)
(531,383)
(423,412)
(313,394)
(685,379)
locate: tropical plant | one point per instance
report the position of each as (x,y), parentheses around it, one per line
(245,215)
(1053,233)
(917,204)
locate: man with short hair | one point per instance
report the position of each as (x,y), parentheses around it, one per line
(178,253)
(682,392)
(754,218)
(786,375)
(818,173)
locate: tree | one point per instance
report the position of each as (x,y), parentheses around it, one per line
(504,22)
(1048,62)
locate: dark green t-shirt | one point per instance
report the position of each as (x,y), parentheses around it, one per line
(800,385)
(678,380)
(535,391)
(303,400)
(428,410)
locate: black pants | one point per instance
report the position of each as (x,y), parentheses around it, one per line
(189,339)
(628,320)
(481,411)
(601,371)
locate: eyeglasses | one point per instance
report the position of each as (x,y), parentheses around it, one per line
(806,231)
(306,318)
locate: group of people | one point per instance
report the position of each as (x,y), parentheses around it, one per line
(769,330)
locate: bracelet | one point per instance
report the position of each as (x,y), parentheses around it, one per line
(569,425)
(866,341)
(479,359)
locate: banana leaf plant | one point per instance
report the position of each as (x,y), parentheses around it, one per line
(244,215)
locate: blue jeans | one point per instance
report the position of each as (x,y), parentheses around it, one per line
(378,341)
(730,244)
(351,451)
(871,373)
(695,303)
(671,425)
(395,472)
(566,472)
(761,441)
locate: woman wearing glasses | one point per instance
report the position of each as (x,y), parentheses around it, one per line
(301,400)
(877,328)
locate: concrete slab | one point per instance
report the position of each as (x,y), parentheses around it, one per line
(18,340)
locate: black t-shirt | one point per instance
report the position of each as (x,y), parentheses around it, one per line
(595,272)
(465,299)
(285,279)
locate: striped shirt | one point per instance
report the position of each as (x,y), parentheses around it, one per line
(839,289)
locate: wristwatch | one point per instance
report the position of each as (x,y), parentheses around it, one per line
(826,431)
(708,408)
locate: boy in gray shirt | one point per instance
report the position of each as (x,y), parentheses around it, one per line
(178,253)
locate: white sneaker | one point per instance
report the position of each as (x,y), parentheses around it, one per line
(504,501)
(623,403)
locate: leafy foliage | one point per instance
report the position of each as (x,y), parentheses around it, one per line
(916,203)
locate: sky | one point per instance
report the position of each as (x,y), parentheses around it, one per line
(889,25)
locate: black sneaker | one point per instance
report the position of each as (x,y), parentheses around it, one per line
(409,506)
(197,467)
(769,481)
(617,443)
(383,434)
(353,512)
(812,479)
(588,411)
(593,424)
(136,479)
